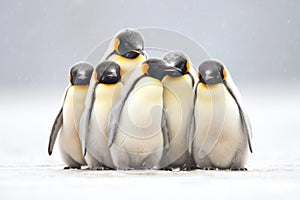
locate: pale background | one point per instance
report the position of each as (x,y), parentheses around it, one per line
(259,41)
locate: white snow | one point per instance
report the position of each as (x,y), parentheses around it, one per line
(26,170)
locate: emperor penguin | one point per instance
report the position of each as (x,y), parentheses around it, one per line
(127,50)
(220,133)
(138,130)
(178,92)
(107,91)
(67,120)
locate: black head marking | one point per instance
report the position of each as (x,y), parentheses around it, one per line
(80,74)
(211,72)
(131,43)
(156,68)
(177,60)
(108,72)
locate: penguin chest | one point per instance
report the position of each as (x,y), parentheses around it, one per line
(177,101)
(218,125)
(144,105)
(140,121)
(72,110)
(73,107)
(105,98)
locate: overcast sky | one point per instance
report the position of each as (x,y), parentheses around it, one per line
(40,40)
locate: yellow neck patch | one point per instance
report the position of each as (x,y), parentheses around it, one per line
(80,87)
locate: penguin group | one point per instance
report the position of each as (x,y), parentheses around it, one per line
(132,111)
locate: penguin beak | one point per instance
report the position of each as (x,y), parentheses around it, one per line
(172,71)
(112,74)
(108,77)
(212,78)
(208,77)
(140,51)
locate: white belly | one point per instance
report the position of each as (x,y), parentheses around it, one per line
(218,132)
(139,133)
(178,105)
(69,141)
(97,143)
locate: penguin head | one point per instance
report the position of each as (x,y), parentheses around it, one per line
(80,73)
(179,61)
(156,68)
(107,72)
(128,44)
(211,72)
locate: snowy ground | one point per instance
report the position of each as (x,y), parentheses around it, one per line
(26,170)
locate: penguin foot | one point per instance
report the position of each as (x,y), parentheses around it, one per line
(105,167)
(72,167)
(126,169)
(166,169)
(190,168)
(99,168)
(239,169)
(208,168)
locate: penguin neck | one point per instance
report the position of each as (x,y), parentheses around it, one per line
(74,104)
(106,90)
(178,80)
(78,92)
(79,87)
(127,65)
(211,92)
(146,96)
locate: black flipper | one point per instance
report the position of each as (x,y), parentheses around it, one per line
(56,126)
(244,116)
(84,124)
(191,129)
(55,129)
(165,130)
(117,110)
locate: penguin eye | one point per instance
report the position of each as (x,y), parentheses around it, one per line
(130,55)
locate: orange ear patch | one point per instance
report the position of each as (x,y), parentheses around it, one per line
(145,68)
(188,66)
(70,78)
(95,76)
(121,72)
(224,73)
(116,45)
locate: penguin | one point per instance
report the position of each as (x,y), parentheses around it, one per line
(138,130)
(220,133)
(127,50)
(178,92)
(67,120)
(106,93)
